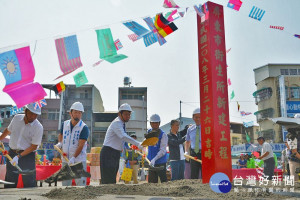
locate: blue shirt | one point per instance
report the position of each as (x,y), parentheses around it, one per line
(191,135)
(84,133)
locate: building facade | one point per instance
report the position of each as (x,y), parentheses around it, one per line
(136,97)
(237,131)
(277,95)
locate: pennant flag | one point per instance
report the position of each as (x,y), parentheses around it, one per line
(171,16)
(68,54)
(277,27)
(118,44)
(170,4)
(248,113)
(182,14)
(15,110)
(238,106)
(256,13)
(97,63)
(18,70)
(248,137)
(229,81)
(248,124)
(243,113)
(232,95)
(228,50)
(39,104)
(138,29)
(150,22)
(80,79)
(133,37)
(163,26)
(59,87)
(297,36)
(200,12)
(107,47)
(235,4)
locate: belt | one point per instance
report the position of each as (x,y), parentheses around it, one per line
(17,151)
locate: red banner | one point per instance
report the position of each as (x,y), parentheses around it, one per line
(215,126)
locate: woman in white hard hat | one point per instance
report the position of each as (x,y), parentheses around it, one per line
(73,140)
(157,154)
(193,140)
(26,134)
(113,144)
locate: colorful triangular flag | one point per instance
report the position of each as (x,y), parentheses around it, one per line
(238,106)
(232,95)
(170,4)
(80,79)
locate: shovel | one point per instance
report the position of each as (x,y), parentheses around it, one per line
(76,168)
(20,171)
(151,168)
(193,158)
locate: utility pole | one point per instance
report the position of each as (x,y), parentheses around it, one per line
(180,114)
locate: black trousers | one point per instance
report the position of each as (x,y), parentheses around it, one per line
(195,166)
(26,163)
(162,174)
(109,164)
(269,166)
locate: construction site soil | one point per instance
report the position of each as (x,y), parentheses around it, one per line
(182,189)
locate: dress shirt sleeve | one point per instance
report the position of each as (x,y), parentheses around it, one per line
(188,137)
(163,147)
(118,129)
(10,126)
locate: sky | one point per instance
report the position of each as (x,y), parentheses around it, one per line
(170,72)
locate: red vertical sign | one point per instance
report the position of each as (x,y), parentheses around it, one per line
(215,126)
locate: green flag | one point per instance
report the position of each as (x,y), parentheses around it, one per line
(232,95)
(80,79)
(107,48)
(248,137)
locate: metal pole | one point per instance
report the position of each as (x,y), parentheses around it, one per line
(60,109)
(143,132)
(180,114)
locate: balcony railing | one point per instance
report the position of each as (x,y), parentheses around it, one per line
(262,94)
(264,114)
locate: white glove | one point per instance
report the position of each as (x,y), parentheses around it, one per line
(152,163)
(59,145)
(72,161)
(15,161)
(140,146)
(186,153)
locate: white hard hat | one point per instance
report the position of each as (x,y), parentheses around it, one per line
(297,115)
(36,110)
(155,118)
(125,107)
(196,111)
(77,106)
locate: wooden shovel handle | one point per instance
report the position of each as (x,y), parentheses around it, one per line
(143,155)
(193,158)
(61,153)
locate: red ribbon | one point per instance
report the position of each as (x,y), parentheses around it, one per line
(134,147)
(5,152)
(65,154)
(195,158)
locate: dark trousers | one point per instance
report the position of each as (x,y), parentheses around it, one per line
(177,167)
(195,166)
(109,164)
(269,166)
(26,163)
(162,174)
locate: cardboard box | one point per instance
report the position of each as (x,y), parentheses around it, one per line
(96,150)
(93,157)
(94,163)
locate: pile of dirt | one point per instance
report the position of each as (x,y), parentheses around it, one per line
(181,188)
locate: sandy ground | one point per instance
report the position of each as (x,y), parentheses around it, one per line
(183,189)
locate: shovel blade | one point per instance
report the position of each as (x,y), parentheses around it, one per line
(156,168)
(25,172)
(78,170)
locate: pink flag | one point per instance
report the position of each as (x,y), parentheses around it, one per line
(134,37)
(18,70)
(229,81)
(170,4)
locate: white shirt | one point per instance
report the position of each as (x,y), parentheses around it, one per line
(181,152)
(163,147)
(24,135)
(266,147)
(116,136)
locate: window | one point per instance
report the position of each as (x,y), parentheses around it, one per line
(293,71)
(235,140)
(295,92)
(53,114)
(284,71)
(132,95)
(298,71)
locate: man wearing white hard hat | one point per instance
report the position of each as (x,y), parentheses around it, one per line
(193,140)
(26,134)
(73,140)
(114,140)
(157,154)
